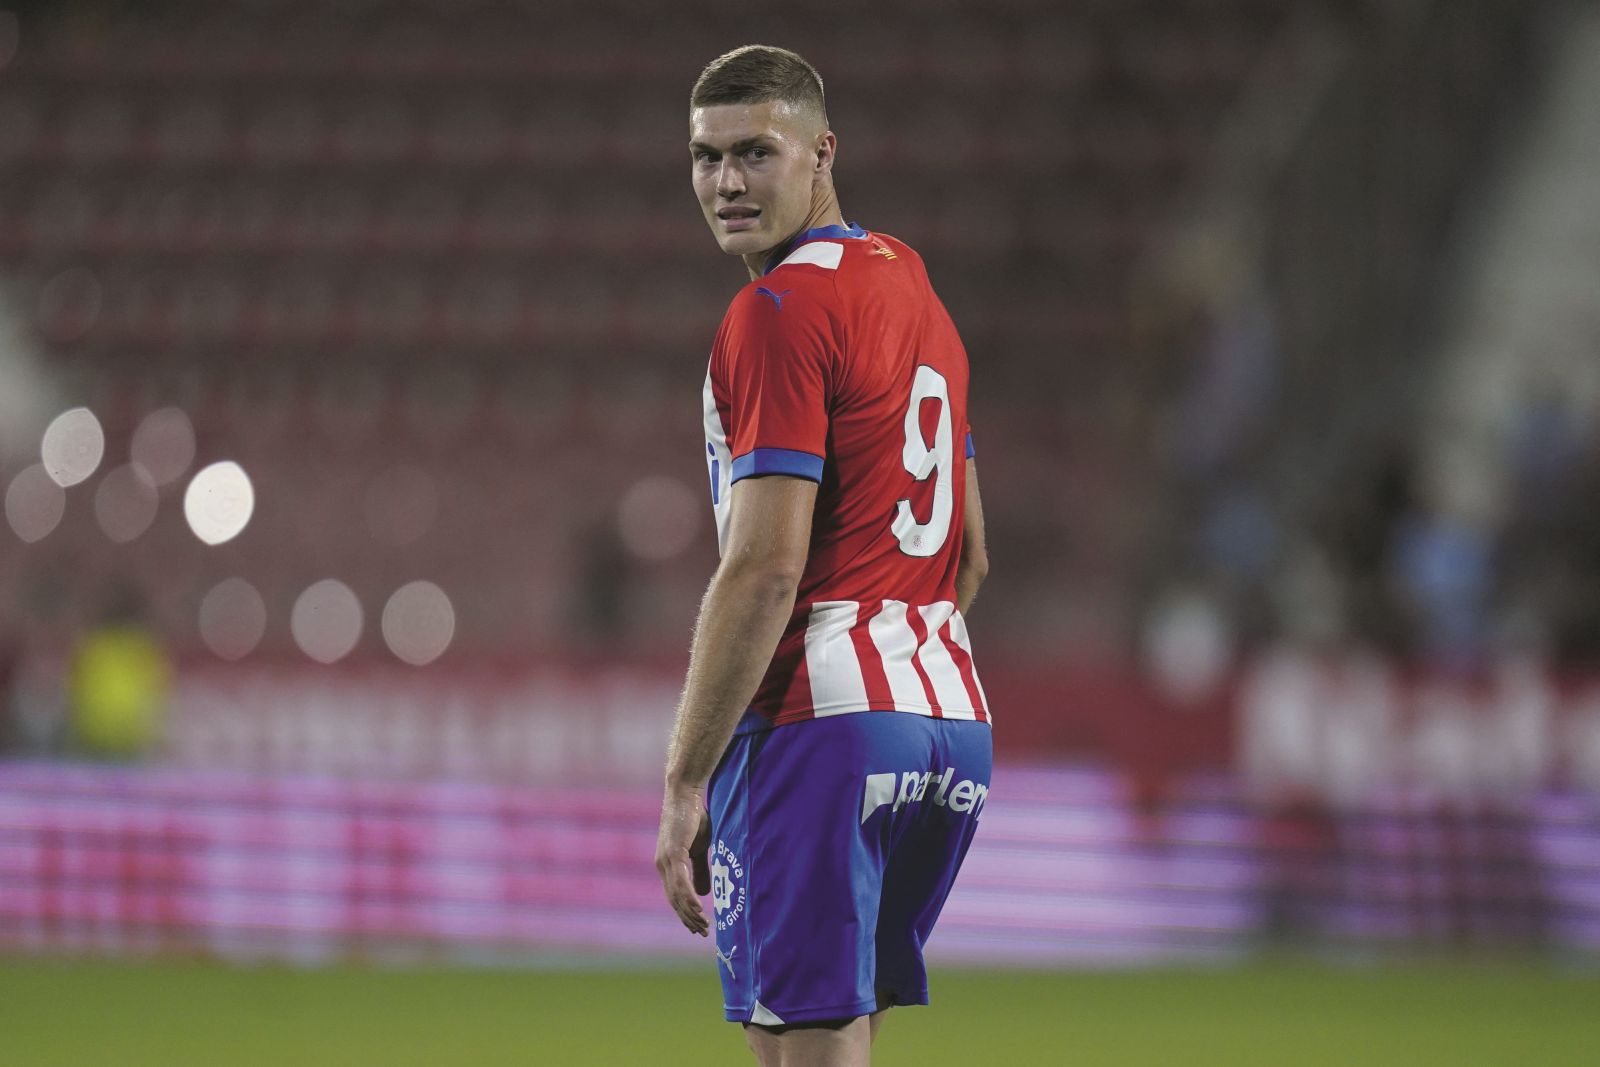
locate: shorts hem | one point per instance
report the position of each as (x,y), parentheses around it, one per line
(806,1015)
(918,999)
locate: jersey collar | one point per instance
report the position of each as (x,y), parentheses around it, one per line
(848,232)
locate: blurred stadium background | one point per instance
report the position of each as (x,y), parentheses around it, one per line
(350,367)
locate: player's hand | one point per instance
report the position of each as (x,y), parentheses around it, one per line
(681,849)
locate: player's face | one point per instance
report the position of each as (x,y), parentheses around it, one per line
(755,166)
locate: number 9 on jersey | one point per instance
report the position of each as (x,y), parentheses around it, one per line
(922,462)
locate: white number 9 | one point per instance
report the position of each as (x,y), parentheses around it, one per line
(921,462)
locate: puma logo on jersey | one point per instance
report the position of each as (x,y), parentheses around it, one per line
(885,251)
(777,298)
(960,796)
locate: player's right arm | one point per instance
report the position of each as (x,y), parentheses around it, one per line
(974,565)
(773,365)
(746,608)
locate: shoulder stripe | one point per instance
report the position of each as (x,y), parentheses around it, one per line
(824,254)
(777,461)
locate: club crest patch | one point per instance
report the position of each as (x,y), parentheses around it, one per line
(727,886)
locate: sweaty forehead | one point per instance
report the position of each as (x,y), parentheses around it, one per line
(727,124)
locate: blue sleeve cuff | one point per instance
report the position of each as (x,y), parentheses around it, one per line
(777,461)
(970,453)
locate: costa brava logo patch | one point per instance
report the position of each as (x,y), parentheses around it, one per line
(727,886)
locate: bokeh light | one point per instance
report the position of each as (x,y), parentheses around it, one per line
(418,623)
(163,445)
(125,502)
(326,621)
(219,502)
(73,446)
(34,503)
(400,506)
(658,517)
(233,618)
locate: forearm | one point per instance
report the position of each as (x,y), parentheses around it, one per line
(742,619)
(968,579)
(974,565)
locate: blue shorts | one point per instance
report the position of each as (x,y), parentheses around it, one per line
(834,844)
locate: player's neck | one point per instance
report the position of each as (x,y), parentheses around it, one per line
(824,212)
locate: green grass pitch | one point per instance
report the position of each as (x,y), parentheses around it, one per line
(170,1013)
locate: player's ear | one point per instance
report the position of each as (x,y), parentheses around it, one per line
(827,145)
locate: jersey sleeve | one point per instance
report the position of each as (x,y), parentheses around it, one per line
(776,355)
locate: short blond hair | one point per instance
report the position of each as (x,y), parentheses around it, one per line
(759,74)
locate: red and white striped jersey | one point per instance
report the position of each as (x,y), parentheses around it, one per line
(841,365)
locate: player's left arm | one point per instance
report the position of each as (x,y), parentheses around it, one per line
(973,566)
(745,611)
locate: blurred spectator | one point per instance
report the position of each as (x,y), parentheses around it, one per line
(119,683)
(600,609)
(35,721)
(1442,563)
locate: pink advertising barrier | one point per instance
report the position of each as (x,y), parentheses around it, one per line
(1067,869)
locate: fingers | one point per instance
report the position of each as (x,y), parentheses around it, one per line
(681,862)
(681,895)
